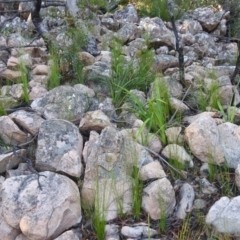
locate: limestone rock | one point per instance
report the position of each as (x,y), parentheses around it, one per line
(59,147)
(224,215)
(62,102)
(158,199)
(41,214)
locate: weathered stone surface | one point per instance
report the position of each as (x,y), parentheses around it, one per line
(86,58)
(62,102)
(41,214)
(204,140)
(224,215)
(178,105)
(158,33)
(29,121)
(69,235)
(151,171)
(229,134)
(10,133)
(12,75)
(7,232)
(16,91)
(174,135)
(110,23)
(94,121)
(84,89)
(207,18)
(207,187)
(126,15)
(138,231)
(178,153)
(112,232)
(162,62)
(187,195)
(191,26)
(9,160)
(158,199)
(37,92)
(127,33)
(59,147)
(41,70)
(7,102)
(109,159)
(237,176)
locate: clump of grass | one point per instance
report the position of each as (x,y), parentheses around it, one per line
(24,80)
(156,112)
(128,75)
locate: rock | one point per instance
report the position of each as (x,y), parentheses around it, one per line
(112,232)
(37,92)
(138,231)
(29,121)
(187,195)
(127,33)
(207,187)
(224,215)
(109,159)
(84,89)
(199,204)
(53,210)
(110,23)
(94,121)
(174,135)
(9,160)
(159,34)
(204,140)
(177,153)
(225,95)
(191,26)
(7,232)
(69,235)
(21,170)
(108,108)
(178,105)
(158,199)
(7,102)
(59,147)
(207,18)
(17,91)
(229,134)
(10,133)
(237,176)
(151,171)
(86,58)
(12,75)
(126,15)
(162,62)
(63,102)
(41,70)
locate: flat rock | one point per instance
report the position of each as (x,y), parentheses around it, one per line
(59,147)
(41,214)
(62,102)
(138,231)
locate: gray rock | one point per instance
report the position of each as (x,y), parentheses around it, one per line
(127,33)
(191,26)
(59,147)
(187,195)
(7,102)
(138,231)
(158,199)
(207,187)
(199,204)
(110,23)
(224,215)
(41,214)
(112,232)
(237,176)
(62,102)
(126,15)
(69,235)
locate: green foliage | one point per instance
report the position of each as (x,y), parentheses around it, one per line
(2,110)
(128,75)
(24,80)
(157,111)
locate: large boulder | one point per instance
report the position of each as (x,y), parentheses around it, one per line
(41,214)
(59,147)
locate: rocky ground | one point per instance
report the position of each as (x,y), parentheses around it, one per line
(77,164)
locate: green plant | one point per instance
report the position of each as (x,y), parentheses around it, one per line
(156,112)
(128,75)
(2,110)
(24,80)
